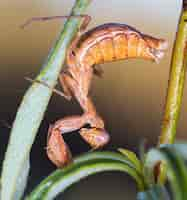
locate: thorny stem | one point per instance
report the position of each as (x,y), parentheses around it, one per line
(31,111)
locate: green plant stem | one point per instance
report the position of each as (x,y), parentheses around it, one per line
(176,84)
(175,90)
(82,167)
(31,112)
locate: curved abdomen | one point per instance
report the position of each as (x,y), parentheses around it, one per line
(113,42)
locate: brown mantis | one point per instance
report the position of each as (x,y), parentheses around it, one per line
(105,43)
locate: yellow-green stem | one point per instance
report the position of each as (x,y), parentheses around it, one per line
(175,85)
(175,90)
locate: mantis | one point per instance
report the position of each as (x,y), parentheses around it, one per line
(104,43)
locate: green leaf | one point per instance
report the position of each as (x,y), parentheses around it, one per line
(155,193)
(179,147)
(22,180)
(176,169)
(31,112)
(82,167)
(132,158)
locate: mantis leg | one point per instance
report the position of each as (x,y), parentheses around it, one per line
(57,150)
(84,24)
(72,87)
(65,86)
(53,89)
(95,137)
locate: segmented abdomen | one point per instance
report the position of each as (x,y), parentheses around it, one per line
(112,42)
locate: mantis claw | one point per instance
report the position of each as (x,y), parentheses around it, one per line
(95,137)
(57,150)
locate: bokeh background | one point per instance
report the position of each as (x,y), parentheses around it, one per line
(130,96)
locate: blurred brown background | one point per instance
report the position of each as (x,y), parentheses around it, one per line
(130,97)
